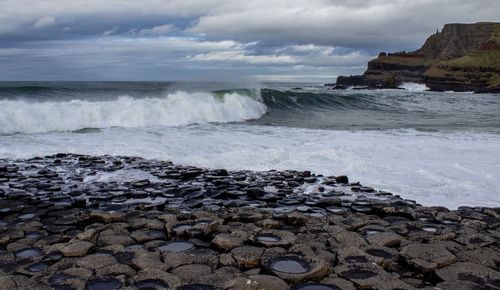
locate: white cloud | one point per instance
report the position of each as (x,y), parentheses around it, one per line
(44,22)
(111,31)
(157,30)
(240,56)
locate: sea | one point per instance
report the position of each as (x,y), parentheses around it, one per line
(437,148)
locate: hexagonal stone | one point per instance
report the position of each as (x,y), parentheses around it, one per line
(153,274)
(385,239)
(345,239)
(77,248)
(107,217)
(296,269)
(459,285)
(468,272)
(191,271)
(227,242)
(96,261)
(268,282)
(370,276)
(247,256)
(427,257)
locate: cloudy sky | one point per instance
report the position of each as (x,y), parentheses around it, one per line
(288,40)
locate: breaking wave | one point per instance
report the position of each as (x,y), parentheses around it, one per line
(175,109)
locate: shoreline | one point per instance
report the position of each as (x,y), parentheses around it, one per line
(109,221)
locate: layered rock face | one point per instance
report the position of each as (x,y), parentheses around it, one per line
(462,57)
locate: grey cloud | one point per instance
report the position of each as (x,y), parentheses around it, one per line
(155,39)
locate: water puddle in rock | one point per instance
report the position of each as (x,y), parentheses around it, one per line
(334,209)
(59,278)
(371,232)
(429,229)
(28,253)
(37,267)
(176,246)
(358,274)
(26,216)
(449,222)
(33,235)
(290,265)
(315,286)
(196,287)
(356,259)
(134,247)
(378,253)
(267,238)
(151,284)
(203,222)
(182,227)
(104,284)
(156,234)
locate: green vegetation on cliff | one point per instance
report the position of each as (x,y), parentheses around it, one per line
(462,57)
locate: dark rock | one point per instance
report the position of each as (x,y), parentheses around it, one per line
(427,257)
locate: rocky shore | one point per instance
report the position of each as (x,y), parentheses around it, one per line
(461,57)
(102,222)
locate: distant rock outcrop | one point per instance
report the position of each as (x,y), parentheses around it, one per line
(462,57)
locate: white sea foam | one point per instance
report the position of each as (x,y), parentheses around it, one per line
(433,168)
(414,87)
(180,108)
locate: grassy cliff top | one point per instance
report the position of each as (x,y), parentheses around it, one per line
(476,59)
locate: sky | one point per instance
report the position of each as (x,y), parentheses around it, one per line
(270,40)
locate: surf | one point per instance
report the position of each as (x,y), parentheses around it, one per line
(174,109)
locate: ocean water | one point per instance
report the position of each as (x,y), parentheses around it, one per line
(435,148)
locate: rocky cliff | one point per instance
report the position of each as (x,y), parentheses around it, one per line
(462,57)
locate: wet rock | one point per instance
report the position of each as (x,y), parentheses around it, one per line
(295,219)
(342,179)
(386,239)
(189,272)
(247,256)
(268,282)
(328,202)
(109,240)
(28,253)
(148,260)
(227,260)
(459,285)
(227,242)
(427,257)
(274,238)
(475,240)
(344,239)
(198,256)
(96,261)
(176,246)
(369,276)
(466,271)
(296,269)
(107,217)
(89,235)
(383,256)
(338,282)
(116,270)
(486,257)
(151,284)
(255,192)
(103,283)
(141,236)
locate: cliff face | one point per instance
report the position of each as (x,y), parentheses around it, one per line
(462,57)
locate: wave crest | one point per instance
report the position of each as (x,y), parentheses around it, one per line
(175,109)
